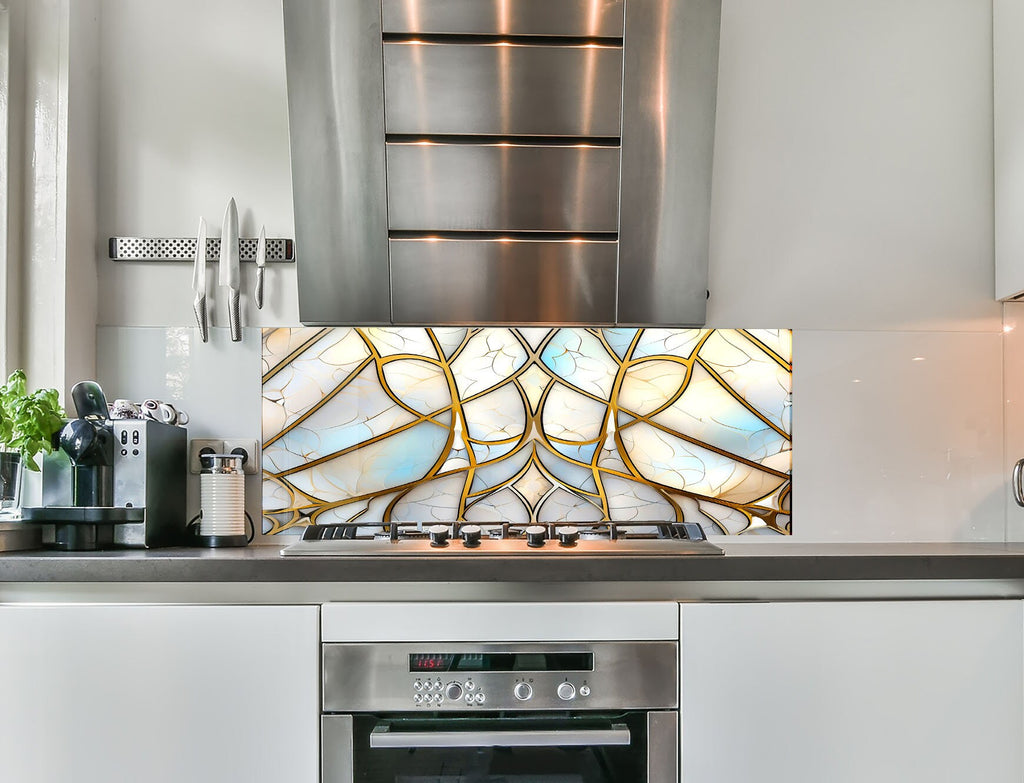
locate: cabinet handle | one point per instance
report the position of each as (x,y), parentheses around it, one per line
(383,737)
(1018,487)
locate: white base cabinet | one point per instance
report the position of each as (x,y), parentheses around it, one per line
(859,692)
(161,694)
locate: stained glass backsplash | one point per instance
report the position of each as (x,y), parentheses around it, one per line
(528,425)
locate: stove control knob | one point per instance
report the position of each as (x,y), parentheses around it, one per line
(522,691)
(566,691)
(568,535)
(535,535)
(453,691)
(438,535)
(470,535)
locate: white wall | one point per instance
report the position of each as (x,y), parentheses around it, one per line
(852,202)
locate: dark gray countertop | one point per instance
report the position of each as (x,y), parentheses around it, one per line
(743,562)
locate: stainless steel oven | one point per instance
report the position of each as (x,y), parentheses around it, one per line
(435,712)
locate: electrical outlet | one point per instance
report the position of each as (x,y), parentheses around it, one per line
(196,446)
(251,449)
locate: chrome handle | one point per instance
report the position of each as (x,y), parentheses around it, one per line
(199,305)
(383,737)
(1016,483)
(235,315)
(257,296)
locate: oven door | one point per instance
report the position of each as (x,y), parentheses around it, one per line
(630,747)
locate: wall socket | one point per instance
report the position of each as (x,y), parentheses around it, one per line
(250,446)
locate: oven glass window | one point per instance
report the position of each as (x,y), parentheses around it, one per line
(475,754)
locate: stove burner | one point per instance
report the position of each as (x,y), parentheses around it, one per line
(505,538)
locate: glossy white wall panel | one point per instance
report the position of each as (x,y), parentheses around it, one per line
(164,694)
(1008,118)
(897,436)
(889,692)
(1013,388)
(853,166)
(194,111)
(216,383)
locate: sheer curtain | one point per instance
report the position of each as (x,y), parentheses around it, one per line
(48,159)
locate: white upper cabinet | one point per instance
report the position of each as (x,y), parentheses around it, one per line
(1008,113)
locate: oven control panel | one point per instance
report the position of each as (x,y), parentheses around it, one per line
(515,676)
(444,693)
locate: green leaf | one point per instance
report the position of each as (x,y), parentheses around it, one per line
(28,422)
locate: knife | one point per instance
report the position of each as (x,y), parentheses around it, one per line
(229,276)
(199,282)
(261,262)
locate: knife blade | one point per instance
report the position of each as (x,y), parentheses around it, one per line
(229,275)
(261,262)
(199,282)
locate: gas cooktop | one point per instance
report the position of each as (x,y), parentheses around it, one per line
(460,539)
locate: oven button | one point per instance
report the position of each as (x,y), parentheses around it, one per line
(438,698)
(479,698)
(469,699)
(568,535)
(470,535)
(470,685)
(536,535)
(438,535)
(566,691)
(522,691)
(418,686)
(584,690)
(453,691)
(417,699)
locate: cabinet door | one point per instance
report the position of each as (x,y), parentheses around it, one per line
(204,694)
(1008,127)
(852,692)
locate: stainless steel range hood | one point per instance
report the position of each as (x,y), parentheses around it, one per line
(502,161)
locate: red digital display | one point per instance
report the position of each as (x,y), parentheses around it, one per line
(430,662)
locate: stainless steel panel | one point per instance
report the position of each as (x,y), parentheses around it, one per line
(502,187)
(595,18)
(663,747)
(493,281)
(336,747)
(376,677)
(615,734)
(502,89)
(336,129)
(670,80)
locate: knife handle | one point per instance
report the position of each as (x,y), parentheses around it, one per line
(235,316)
(258,293)
(199,305)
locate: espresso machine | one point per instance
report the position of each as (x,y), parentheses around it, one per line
(114,482)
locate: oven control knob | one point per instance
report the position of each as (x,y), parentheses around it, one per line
(470,535)
(566,691)
(522,691)
(568,535)
(453,691)
(584,690)
(438,535)
(535,535)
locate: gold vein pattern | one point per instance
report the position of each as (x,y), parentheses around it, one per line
(528,425)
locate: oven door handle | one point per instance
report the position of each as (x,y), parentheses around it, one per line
(383,737)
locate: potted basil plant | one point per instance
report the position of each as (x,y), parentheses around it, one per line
(28,423)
